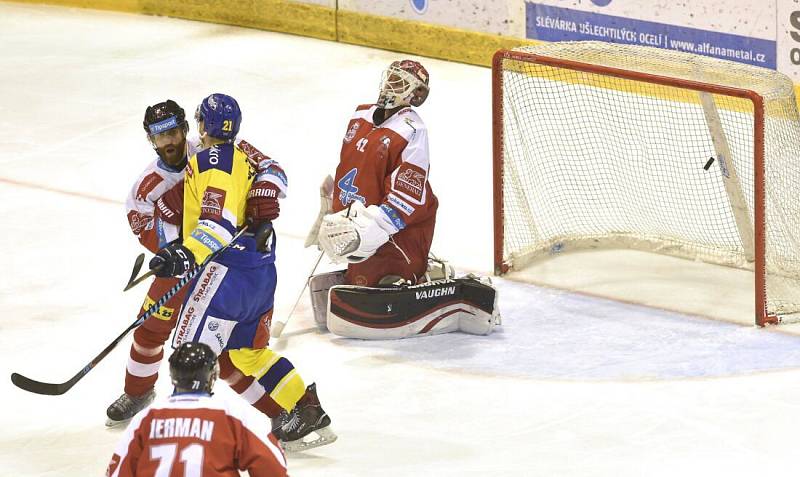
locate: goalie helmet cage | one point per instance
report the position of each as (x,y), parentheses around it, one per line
(609,146)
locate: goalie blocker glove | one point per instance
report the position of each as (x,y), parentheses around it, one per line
(172,261)
(467,304)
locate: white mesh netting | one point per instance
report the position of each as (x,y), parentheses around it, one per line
(591,160)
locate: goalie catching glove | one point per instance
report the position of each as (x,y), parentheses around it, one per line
(355,234)
(172,261)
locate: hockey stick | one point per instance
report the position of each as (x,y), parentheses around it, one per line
(325,193)
(56,389)
(137,265)
(278,326)
(139,280)
(262,237)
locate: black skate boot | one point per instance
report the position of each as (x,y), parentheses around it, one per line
(278,422)
(306,426)
(125,407)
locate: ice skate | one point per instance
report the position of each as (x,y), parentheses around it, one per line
(306,426)
(125,407)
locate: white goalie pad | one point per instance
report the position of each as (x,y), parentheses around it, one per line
(319,285)
(352,235)
(466,304)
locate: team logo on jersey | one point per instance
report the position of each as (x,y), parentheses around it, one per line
(147,185)
(351,133)
(213,203)
(213,325)
(411,181)
(139,222)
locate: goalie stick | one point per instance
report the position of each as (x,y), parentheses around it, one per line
(56,389)
(279,325)
(325,200)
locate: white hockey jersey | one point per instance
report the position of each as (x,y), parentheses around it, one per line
(157,178)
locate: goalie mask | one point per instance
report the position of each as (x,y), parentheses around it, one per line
(404,83)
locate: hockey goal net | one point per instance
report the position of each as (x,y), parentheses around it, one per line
(604,146)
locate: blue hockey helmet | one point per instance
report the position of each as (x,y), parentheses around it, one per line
(221,116)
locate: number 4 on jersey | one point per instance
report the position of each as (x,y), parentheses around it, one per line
(347,186)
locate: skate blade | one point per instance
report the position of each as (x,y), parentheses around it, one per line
(111,424)
(325,436)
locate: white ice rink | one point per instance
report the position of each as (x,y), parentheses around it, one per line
(570,385)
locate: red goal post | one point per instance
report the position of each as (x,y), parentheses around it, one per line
(601,145)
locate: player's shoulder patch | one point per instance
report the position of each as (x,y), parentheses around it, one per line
(219,156)
(406,123)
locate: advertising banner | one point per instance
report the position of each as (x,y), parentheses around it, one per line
(742,31)
(499,17)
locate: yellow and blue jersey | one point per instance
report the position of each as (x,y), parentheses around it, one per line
(215,197)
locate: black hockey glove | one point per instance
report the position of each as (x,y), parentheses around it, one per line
(172,261)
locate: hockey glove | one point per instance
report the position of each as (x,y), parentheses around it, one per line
(353,235)
(172,261)
(262,202)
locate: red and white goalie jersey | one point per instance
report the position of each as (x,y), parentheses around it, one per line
(197,435)
(387,166)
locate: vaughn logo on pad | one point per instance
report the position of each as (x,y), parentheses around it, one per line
(436,292)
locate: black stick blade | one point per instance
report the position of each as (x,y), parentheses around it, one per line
(139,280)
(137,265)
(37,387)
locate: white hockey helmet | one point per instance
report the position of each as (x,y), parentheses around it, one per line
(404,83)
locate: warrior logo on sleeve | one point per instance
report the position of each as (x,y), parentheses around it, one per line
(213,203)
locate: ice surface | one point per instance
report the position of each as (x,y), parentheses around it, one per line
(570,386)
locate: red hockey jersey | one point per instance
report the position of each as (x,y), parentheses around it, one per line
(386,165)
(197,435)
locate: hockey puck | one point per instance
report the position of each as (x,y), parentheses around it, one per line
(708,164)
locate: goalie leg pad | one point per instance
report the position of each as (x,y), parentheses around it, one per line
(319,286)
(466,304)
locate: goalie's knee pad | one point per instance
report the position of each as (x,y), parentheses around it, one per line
(463,304)
(319,286)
